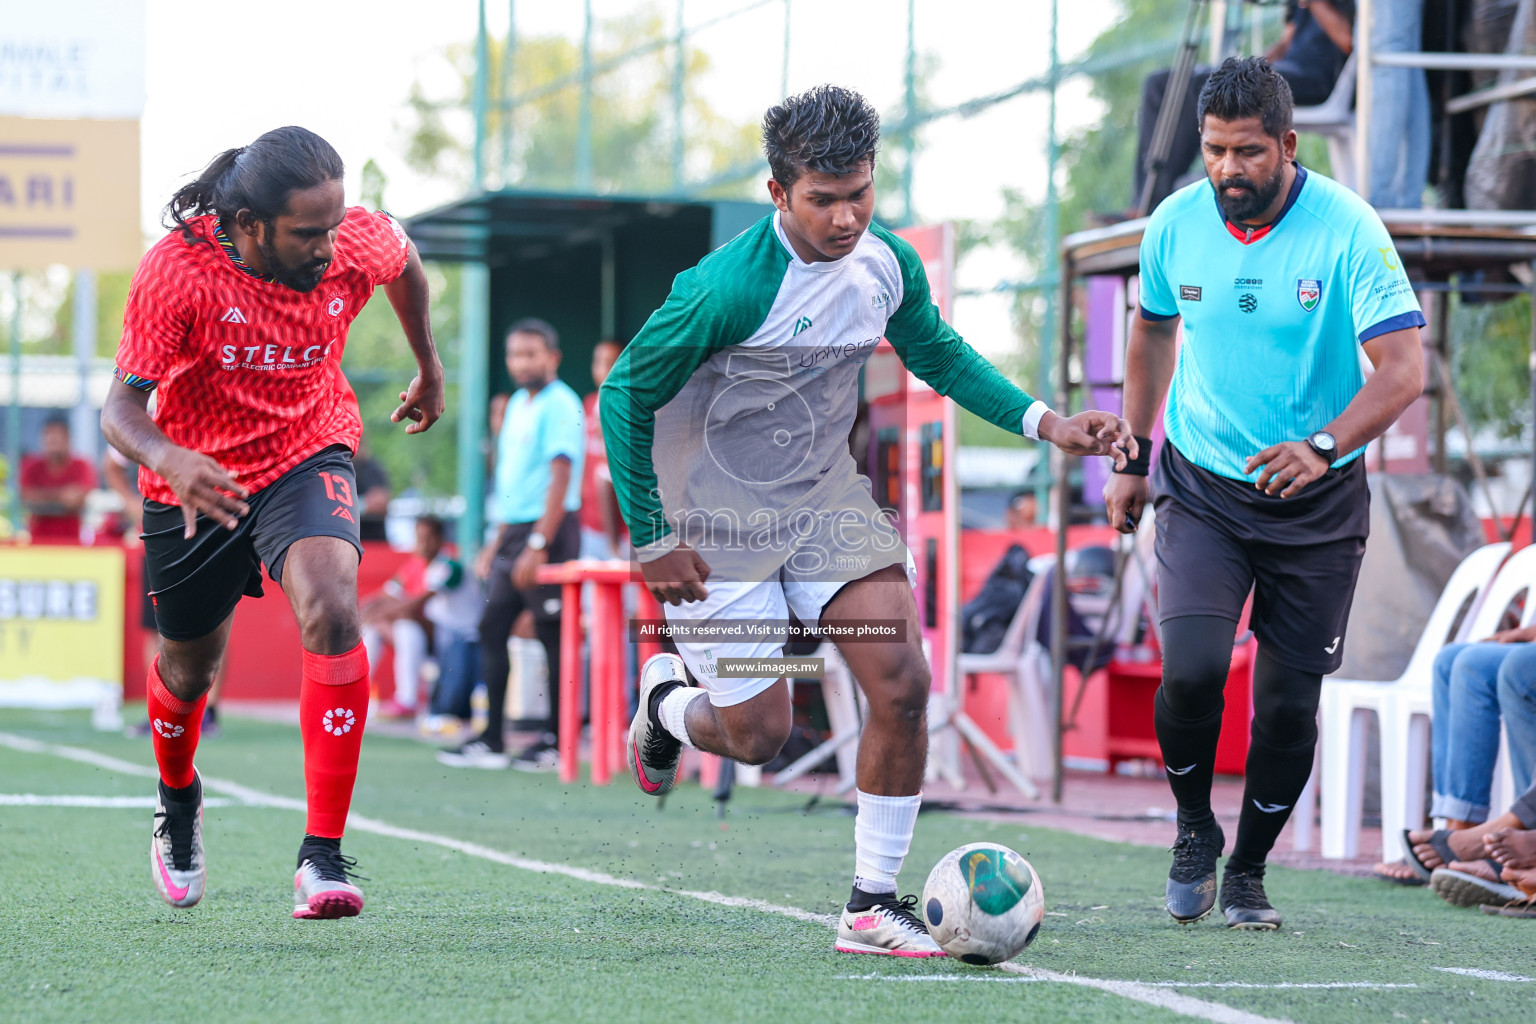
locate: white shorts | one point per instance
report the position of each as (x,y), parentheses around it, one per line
(771,600)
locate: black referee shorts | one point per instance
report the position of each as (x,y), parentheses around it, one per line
(1218,538)
(196,583)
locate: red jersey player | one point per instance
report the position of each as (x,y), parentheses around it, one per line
(237,320)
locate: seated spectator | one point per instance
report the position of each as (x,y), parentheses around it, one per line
(602,529)
(1022,511)
(54,486)
(396,618)
(430,609)
(1309,56)
(1476,685)
(454,605)
(373,488)
(1492,865)
(1400,127)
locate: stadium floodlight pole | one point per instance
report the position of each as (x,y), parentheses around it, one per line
(679,69)
(504,93)
(84,418)
(909,137)
(13,417)
(1062,505)
(482,59)
(584,124)
(1048,337)
(784,69)
(1051,339)
(474,339)
(1365,14)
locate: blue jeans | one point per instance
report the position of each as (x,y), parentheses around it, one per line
(1399,126)
(1475,686)
(458,663)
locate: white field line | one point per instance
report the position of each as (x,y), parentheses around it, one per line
(1189,1006)
(1150,984)
(135,802)
(257,798)
(1151,995)
(1477,972)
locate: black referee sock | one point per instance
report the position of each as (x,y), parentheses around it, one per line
(1189,757)
(1276,777)
(1279,756)
(1186,710)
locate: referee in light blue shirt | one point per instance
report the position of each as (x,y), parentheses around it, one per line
(1280,277)
(539,454)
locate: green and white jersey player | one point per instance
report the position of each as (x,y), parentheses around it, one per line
(727,421)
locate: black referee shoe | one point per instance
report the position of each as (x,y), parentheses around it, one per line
(1244,902)
(1191,890)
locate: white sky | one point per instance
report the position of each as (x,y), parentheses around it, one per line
(219,74)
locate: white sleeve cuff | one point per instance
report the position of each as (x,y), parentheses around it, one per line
(1032,417)
(654,550)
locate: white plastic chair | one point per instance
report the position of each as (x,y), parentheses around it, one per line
(1026,661)
(1028,714)
(1334,119)
(1346,703)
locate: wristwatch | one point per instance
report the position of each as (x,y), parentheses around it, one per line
(1324,444)
(537,541)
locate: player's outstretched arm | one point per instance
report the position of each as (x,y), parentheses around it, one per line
(199,483)
(1149,358)
(409,294)
(1092,432)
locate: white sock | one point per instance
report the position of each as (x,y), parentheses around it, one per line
(882,835)
(673,712)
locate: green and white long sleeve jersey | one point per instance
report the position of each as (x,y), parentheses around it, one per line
(736,399)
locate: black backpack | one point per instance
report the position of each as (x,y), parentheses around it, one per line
(984,619)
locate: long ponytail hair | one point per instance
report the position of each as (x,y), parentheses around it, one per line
(259,177)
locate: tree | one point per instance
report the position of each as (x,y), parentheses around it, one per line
(1098,161)
(632,132)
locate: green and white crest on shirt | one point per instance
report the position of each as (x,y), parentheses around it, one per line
(802,324)
(1309,293)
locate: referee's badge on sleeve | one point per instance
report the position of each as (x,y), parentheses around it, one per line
(1308,293)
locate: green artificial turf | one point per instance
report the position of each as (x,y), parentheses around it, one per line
(449,936)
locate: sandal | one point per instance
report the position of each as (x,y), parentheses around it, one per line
(1412,880)
(1512,910)
(1439,840)
(1462,889)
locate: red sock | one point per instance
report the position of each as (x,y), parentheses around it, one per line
(176,726)
(333,705)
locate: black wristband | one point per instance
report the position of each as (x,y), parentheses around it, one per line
(1142,463)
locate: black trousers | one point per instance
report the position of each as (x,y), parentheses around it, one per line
(504,603)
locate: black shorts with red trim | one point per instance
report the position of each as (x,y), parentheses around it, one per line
(195,584)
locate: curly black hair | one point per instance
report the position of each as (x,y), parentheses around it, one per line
(1247,87)
(828,129)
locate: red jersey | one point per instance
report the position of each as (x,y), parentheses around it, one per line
(248,371)
(37,471)
(594,467)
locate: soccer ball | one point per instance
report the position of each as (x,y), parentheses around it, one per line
(983,903)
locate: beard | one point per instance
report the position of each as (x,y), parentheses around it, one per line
(533,381)
(303,278)
(1253,200)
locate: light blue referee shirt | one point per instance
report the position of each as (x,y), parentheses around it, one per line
(537,429)
(1272,324)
